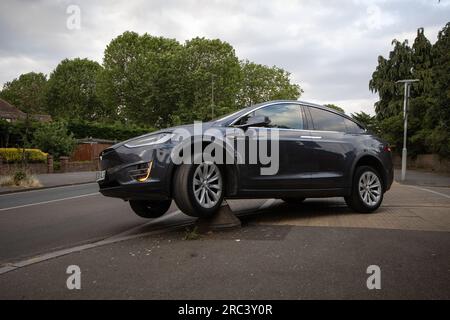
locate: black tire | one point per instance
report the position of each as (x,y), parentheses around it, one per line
(293,200)
(355,200)
(183,192)
(150,209)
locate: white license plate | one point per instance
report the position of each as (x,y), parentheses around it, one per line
(101,175)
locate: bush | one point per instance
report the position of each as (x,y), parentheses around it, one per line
(110,131)
(18,177)
(12,134)
(15,155)
(54,138)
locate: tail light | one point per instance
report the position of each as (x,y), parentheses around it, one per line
(387,149)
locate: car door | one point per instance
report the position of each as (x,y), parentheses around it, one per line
(294,164)
(331,147)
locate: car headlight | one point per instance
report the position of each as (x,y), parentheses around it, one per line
(150,140)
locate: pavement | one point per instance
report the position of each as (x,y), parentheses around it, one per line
(49,180)
(423,178)
(319,249)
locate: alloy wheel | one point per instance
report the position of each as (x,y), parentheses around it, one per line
(207,184)
(369,188)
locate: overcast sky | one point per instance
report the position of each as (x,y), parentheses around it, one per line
(330,47)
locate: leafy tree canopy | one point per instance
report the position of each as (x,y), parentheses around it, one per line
(429,103)
(335,107)
(262,83)
(27,92)
(71,90)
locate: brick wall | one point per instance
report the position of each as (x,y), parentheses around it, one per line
(40,168)
(33,168)
(74,166)
(430,162)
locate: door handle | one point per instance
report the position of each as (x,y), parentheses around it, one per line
(310,137)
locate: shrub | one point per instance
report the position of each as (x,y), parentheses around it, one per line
(26,181)
(55,139)
(110,131)
(13,134)
(15,155)
(18,177)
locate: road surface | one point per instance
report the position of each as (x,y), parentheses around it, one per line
(319,249)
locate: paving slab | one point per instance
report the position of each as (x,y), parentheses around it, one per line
(404,208)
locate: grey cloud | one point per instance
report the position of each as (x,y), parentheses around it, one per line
(330,47)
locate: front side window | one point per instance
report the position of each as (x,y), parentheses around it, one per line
(282,116)
(327,121)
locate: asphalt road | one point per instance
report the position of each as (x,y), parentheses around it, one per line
(319,249)
(255,262)
(40,221)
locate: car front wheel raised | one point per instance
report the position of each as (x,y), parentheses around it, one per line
(367,190)
(198,190)
(150,209)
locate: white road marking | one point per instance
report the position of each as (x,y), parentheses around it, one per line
(45,189)
(431,191)
(49,201)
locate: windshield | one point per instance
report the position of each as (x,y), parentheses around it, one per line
(232,115)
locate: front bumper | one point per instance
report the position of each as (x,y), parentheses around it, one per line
(120,163)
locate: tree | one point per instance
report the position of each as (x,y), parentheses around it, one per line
(370,122)
(158,82)
(72,91)
(335,107)
(209,80)
(429,103)
(141,78)
(420,100)
(27,92)
(438,116)
(54,139)
(383,81)
(262,83)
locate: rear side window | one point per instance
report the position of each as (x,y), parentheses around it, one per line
(353,127)
(327,121)
(282,116)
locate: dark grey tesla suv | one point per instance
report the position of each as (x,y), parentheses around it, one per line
(314,152)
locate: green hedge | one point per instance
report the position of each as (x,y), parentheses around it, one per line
(15,155)
(11,134)
(115,131)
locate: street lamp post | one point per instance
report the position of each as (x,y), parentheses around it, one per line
(407,83)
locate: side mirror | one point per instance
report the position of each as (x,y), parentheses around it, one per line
(255,121)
